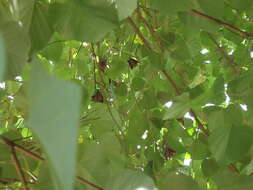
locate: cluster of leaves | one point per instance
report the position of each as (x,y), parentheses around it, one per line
(126,94)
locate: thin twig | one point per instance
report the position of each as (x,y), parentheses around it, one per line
(79,49)
(226,25)
(85,181)
(94,58)
(138,32)
(54,42)
(18,168)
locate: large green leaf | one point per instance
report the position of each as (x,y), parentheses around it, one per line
(2,58)
(171,7)
(179,107)
(130,180)
(213,8)
(23,11)
(172,181)
(194,24)
(40,29)
(17,46)
(230,143)
(227,180)
(53,116)
(5,13)
(107,155)
(125,8)
(87,20)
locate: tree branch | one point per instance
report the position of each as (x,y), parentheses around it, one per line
(178,92)
(18,168)
(151,29)
(171,81)
(21,149)
(173,84)
(226,25)
(138,32)
(14,146)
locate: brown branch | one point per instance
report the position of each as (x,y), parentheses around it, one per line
(85,181)
(21,149)
(171,81)
(221,50)
(138,32)
(8,180)
(178,92)
(233,168)
(18,168)
(37,157)
(174,85)
(226,25)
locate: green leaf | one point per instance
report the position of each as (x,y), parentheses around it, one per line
(88,20)
(45,182)
(137,84)
(23,12)
(125,8)
(199,150)
(209,167)
(194,24)
(179,107)
(17,45)
(171,7)
(117,67)
(213,8)
(129,180)
(226,180)
(107,155)
(171,181)
(40,30)
(137,126)
(230,143)
(2,58)
(53,116)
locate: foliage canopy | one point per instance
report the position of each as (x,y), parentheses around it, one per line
(126,94)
